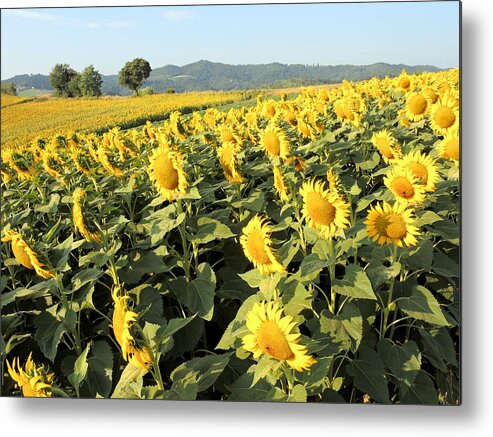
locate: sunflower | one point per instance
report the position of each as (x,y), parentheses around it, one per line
(229,135)
(305,128)
(404,82)
(449,148)
(274,142)
(33,380)
(387,145)
(271,333)
(423,167)
(123,321)
(405,186)
(391,224)
(279,184)
(166,172)
(323,210)
(335,184)
(52,162)
(417,106)
(104,159)
(444,115)
(228,153)
(25,255)
(256,244)
(78,217)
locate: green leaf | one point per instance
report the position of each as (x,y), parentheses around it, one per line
(421,392)
(130,384)
(80,369)
(354,284)
(151,262)
(199,296)
(100,369)
(445,266)
(298,394)
(184,389)
(427,218)
(209,229)
(253,278)
(343,331)
(49,332)
(265,366)
(51,207)
(59,255)
(242,389)
(85,276)
(422,306)
(237,325)
(173,326)
(311,266)
(207,369)
(403,361)
(369,375)
(421,257)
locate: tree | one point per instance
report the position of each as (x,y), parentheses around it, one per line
(134,73)
(73,86)
(60,77)
(9,88)
(90,82)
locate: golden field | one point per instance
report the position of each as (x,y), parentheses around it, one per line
(45,118)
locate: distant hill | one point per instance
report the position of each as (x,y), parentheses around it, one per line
(206,75)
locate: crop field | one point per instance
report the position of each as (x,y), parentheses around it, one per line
(43,117)
(301,249)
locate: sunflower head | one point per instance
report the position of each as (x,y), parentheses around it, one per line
(387,145)
(79,219)
(388,224)
(228,157)
(271,333)
(25,255)
(257,246)
(123,321)
(423,167)
(405,186)
(167,173)
(279,184)
(33,380)
(417,106)
(449,148)
(274,142)
(324,210)
(444,115)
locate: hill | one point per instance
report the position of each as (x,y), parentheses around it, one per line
(206,75)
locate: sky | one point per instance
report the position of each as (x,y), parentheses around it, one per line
(34,40)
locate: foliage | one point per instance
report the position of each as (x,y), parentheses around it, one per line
(152,298)
(63,80)
(90,82)
(9,89)
(134,73)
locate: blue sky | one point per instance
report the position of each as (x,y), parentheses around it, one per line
(34,40)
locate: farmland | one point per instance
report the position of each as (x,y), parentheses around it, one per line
(303,248)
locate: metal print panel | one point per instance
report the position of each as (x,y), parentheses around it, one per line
(194,209)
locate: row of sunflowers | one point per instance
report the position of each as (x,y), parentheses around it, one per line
(296,249)
(24,119)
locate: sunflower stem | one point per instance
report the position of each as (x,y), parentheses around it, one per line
(386,311)
(332,274)
(186,250)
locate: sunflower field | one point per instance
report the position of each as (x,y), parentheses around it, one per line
(296,249)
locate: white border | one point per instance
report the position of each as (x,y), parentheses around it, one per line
(473,418)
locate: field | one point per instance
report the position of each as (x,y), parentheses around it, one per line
(45,117)
(301,249)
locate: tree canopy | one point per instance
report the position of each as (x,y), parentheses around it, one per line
(134,73)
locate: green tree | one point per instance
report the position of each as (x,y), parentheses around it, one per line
(9,88)
(74,86)
(90,82)
(60,77)
(134,73)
